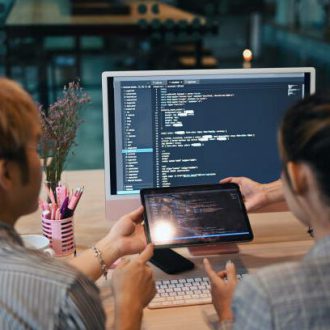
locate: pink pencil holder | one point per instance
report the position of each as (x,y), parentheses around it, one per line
(60,234)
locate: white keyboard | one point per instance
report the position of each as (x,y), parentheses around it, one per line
(183,292)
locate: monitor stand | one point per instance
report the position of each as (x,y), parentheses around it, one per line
(223,248)
(171,262)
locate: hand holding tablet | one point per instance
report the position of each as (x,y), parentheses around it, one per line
(192,216)
(195,215)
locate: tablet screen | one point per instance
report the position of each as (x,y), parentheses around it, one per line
(203,214)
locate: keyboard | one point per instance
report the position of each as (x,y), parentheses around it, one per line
(183,292)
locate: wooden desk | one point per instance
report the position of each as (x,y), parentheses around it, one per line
(279,237)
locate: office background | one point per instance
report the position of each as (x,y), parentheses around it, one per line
(279,32)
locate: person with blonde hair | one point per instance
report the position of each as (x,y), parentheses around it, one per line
(39,292)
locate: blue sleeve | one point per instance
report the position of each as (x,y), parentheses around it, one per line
(251,306)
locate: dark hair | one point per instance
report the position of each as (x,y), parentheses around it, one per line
(305,137)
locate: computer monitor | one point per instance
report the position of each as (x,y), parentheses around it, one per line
(185,127)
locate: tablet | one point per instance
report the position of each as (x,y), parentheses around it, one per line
(195,215)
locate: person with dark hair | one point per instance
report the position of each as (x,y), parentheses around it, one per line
(293,295)
(39,292)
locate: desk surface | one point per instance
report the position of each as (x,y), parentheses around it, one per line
(279,237)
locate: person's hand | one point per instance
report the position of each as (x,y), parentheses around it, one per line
(254,193)
(125,237)
(133,286)
(127,234)
(223,285)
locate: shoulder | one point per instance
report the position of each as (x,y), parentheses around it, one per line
(289,295)
(270,279)
(255,296)
(69,299)
(285,283)
(291,276)
(32,266)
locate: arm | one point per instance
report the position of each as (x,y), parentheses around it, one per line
(257,195)
(251,306)
(243,306)
(223,285)
(81,307)
(125,237)
(133,287)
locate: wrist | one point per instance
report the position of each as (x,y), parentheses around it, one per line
(109,251)
(226,315)
(103,266)
(127,318)
(273,192)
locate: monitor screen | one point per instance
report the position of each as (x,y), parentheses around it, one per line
(187,127)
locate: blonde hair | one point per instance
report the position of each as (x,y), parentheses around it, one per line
(18,113)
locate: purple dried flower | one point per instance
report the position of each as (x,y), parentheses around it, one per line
(59,128)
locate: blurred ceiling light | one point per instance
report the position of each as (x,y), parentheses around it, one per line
(247,55)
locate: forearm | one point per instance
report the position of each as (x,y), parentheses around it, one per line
(225,325)
(89,264)
(226,316)
(128,317)
(274,191)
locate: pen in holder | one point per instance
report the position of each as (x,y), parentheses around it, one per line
(60,234)
(57,218)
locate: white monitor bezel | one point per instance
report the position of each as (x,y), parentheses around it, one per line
(127,203)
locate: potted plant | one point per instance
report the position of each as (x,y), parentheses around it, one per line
(60,123)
